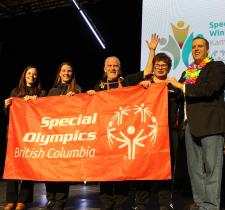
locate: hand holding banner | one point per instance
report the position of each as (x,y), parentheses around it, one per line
(118,134)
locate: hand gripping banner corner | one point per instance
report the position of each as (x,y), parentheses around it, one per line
(120,134)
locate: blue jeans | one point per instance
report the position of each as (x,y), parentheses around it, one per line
(205,162)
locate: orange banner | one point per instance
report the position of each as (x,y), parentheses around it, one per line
(120,134)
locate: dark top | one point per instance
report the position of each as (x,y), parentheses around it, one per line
(30,91)
(129,80)
(175,105)
(205,101)
(61,90)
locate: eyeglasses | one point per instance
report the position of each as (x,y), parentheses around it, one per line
(158,66)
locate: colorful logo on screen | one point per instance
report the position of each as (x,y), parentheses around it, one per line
(179,45)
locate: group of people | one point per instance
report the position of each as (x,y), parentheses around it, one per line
(29,88)
(198,97)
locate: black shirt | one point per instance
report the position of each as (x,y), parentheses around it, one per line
(29,91)
(129,80)
(61,89)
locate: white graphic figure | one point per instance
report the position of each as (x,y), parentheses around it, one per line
(143,111)
(121,130)
(119,114)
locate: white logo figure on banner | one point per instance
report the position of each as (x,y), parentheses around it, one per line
(121,128)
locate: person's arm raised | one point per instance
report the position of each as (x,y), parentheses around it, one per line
(152,44)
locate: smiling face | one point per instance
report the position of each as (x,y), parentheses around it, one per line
(66,73)
(31,76)
(112,68)
(199,50)
(161,69)
(161,66)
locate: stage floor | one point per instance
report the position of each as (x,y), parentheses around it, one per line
(86,197)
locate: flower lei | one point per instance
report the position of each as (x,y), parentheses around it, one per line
(192,73)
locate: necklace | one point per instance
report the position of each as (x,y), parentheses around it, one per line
(118,81)
(192,73)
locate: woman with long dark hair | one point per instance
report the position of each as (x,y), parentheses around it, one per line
(29,88)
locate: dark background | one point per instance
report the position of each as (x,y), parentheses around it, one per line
(48,38)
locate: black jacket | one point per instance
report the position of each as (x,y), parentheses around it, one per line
(129,80)
(205,101)
(61,89)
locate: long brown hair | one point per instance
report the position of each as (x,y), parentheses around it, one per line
(72,86)
(22,86)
